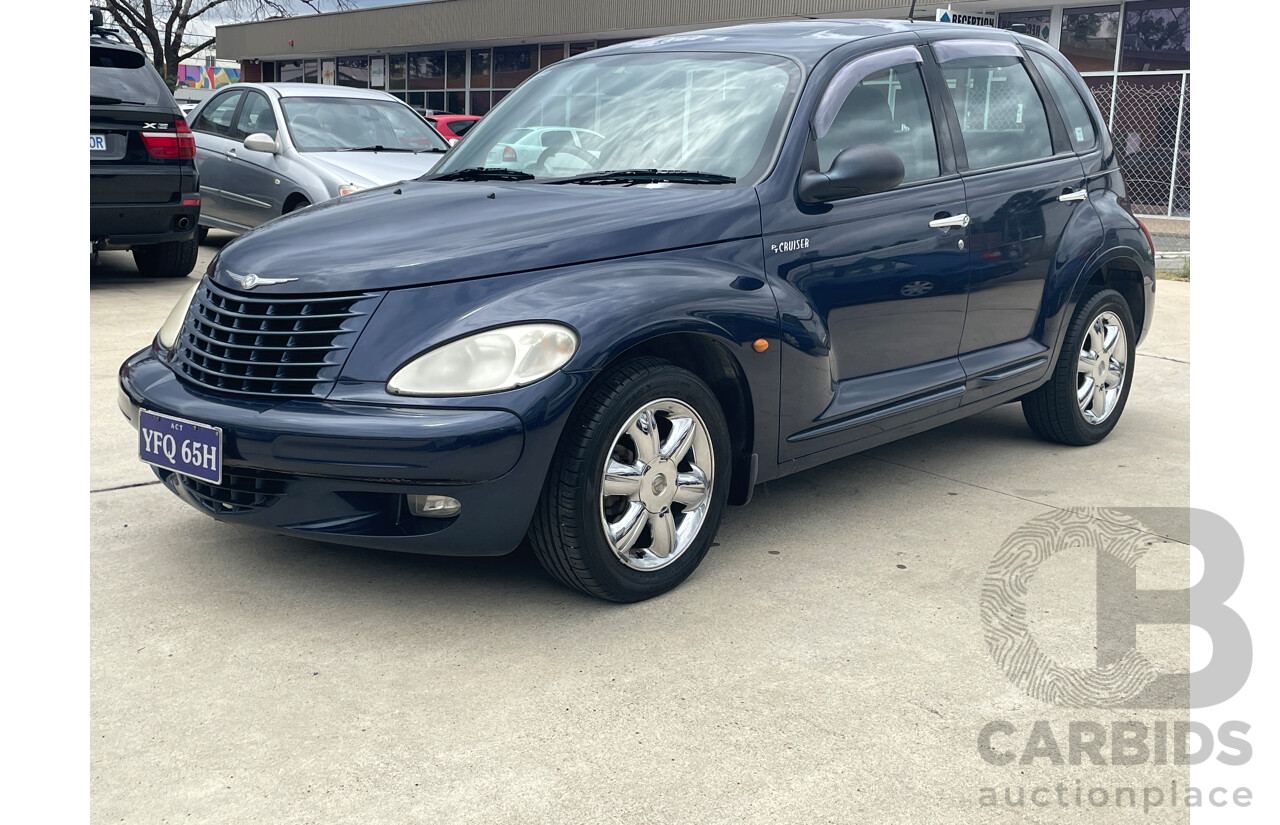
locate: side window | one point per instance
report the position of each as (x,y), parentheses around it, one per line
(216,117)
(256,116)
(889,108)
(1074,111)
(1002,119)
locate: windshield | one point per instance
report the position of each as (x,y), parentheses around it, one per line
(715,113)
(332,124)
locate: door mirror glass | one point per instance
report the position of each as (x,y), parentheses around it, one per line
(861,170)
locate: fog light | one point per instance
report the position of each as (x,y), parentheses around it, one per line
(434,506)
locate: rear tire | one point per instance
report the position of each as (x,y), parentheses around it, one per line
(202,235)
(1083,399)
(638,484)
(175,259)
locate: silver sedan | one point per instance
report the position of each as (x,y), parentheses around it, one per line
(266,149)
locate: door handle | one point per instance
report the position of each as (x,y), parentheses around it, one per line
(231,152)
(953,220)
(1078,195)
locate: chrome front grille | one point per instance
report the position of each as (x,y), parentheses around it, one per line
(290,346)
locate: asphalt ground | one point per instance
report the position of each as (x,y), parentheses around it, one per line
(826,663)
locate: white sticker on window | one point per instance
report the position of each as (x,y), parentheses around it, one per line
(1079,135)
(1019,119)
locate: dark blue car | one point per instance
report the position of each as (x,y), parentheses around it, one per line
(790,242)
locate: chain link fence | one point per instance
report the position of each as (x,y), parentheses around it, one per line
(1149,116)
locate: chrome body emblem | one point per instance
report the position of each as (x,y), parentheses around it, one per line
(250,281)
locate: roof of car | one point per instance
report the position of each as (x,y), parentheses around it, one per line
(318,90)
(807,41)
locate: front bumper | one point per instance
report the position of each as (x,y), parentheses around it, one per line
(339,472)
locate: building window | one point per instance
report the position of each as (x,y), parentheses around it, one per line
(311,71)
(426,70)
(268,71)
(480,103)
(291,71)
(581,48)
(456,102)
(513,65)
(1034,23)
(354,72)
(397,71)
(456,75)
(1089,37)
(481,61)
(1157,36)
(552,54)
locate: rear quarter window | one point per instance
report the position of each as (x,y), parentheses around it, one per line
(1074,112)
(124,75)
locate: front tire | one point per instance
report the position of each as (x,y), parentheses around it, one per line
(175,259)
(1086,394)
(638,485)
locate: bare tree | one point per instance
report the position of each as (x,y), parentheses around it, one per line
(159,27)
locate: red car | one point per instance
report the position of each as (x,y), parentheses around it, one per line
(452,127)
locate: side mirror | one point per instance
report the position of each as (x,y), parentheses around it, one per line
(261,142)
(862,170)
(453,141)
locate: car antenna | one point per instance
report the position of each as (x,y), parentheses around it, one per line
(911,12)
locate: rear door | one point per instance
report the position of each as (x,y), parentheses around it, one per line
(214,128)
(1023,183)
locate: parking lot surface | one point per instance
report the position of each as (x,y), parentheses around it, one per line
(826,663)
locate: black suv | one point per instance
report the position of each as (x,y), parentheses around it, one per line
(142,170)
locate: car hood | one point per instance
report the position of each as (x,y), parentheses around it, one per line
(427,232)
(374,168)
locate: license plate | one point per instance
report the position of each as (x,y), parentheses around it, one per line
(186,447)
(97,143)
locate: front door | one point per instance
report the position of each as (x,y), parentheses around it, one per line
(254,183)
(872,288)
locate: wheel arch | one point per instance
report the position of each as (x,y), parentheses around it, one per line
(712,360)
(292,202)
(1123,274)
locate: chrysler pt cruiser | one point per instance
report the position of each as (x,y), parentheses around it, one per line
(791,242)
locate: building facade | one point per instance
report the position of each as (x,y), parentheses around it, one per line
(464,56)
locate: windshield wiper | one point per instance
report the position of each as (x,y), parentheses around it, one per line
(484,173)
(104,100)
(633,176)
(377,148)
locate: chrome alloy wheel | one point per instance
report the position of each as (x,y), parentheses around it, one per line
(657,484)
(1102,368)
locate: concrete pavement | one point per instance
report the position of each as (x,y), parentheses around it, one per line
(825,664)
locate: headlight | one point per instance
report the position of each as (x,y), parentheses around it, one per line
(168,334)
(348,188)
(498,359)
